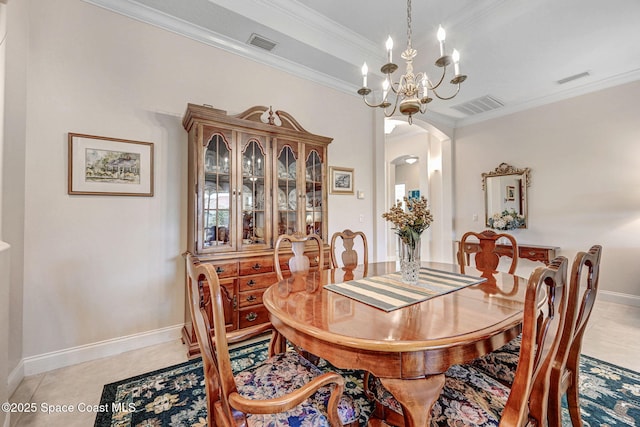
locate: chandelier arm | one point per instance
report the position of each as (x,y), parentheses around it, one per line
(437,85)
(446,98)
(394,87)
(395,106)
(370,104)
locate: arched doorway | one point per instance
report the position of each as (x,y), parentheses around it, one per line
(430,175)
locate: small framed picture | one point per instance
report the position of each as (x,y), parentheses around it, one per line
(341,180)
(511,193)
(100,165)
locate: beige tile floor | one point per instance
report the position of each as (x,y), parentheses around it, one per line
(613,334)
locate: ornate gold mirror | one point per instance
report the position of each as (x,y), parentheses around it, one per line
(505,197)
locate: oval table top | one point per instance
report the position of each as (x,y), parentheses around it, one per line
(450,329)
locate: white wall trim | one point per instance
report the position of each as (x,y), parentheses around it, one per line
(15,378)
(619,298)
(84,353)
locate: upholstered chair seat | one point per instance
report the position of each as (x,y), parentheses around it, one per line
(501,364)
(280,375)
(469,398)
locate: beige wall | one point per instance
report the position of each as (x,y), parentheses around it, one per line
(99,267)
(584,155)
(13,172)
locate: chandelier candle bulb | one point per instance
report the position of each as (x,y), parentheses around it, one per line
(442,34)
(389,49)
(365,71)
(456,62)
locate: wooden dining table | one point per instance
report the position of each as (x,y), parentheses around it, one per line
(409,348)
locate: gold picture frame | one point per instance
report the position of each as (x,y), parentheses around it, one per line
(100,165)
(341,180)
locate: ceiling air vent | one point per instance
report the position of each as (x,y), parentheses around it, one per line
(479,105)
(261,42)
(572,78)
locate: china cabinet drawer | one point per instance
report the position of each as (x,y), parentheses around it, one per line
(253,316)
(256,265)
(259,281)
(248,298)
(226,269)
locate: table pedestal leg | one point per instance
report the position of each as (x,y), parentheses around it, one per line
(416,396)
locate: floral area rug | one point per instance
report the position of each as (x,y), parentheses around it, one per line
(175,396)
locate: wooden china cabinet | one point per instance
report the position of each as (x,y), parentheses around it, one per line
(251,177)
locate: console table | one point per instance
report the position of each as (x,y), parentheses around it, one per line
(531,252)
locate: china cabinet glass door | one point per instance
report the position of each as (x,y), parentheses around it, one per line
(286,197)
(216,206)
(313,212)
(252,194)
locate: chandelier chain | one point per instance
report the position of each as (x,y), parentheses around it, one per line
(408,24)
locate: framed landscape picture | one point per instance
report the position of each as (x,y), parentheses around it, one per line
(341,180)
(100,165)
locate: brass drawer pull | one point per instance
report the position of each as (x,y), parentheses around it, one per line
(532,253)
(257,266)
(251,316)
(251,283)
(251,298)
(219,270)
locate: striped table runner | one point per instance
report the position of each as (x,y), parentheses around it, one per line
(388,293)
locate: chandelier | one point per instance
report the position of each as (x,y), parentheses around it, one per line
(412,91)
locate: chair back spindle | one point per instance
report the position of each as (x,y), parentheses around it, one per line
(299,262)
(487,258)
(349,256)
(564,376)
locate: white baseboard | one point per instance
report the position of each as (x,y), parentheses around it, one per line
(84,353)
(15,378)
(619,298)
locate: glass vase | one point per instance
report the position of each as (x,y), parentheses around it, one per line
(409,254)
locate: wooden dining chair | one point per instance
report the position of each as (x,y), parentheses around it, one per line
(487,257)
(349,256)
(564,376)
(583,287)
(285,389)
(470,397)
(299,262)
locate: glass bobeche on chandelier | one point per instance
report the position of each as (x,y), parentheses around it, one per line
(412,90)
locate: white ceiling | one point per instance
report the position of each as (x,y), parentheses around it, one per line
(514,51)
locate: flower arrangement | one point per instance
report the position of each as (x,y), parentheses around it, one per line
(506,220)
(410,223)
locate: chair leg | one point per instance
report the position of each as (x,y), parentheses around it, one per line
(573,402)
(571,388)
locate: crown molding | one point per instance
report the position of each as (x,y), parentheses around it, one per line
(162,20)
(307,26)
(556,97)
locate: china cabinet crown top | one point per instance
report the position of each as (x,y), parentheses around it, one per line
(257,118)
